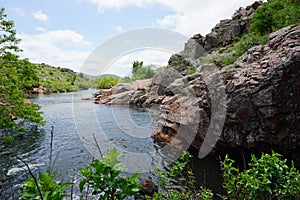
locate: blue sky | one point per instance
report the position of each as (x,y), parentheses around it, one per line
(65,32)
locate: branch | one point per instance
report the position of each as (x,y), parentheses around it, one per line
(34,178)
(97,145)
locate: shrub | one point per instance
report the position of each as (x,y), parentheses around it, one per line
(268,177)
(49,189)
(103,176)
(192,70)
(107,82)
(143,73)
(187,189)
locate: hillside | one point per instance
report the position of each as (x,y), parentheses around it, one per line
(56,79)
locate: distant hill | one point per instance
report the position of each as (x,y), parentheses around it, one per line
(57,79)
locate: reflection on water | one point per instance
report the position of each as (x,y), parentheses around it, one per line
(77,124)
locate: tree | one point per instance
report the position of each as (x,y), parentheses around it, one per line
(8,40)
(275,14)
(136,65)
(16,76)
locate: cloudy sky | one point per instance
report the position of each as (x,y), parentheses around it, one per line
(65,32)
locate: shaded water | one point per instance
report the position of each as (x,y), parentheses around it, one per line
(76,125)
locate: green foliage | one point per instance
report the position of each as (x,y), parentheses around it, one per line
(187,189)
(228,60)
(103,176)
(8,41)
(192,70)
(49,188)
(268,178)
(136,65)
(107,82)
(7,140)
(16,76)
(242,45)
(274,15)
(56,79)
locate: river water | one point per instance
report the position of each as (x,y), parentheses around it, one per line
(77,125)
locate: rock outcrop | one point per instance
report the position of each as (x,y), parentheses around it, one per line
(262,101)
(221,35)
(251,104)
(123,93)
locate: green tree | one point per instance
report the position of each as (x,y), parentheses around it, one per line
(8,40)
(16,76)
(136,65)
(275,14)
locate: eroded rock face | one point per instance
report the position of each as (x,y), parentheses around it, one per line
(263,101)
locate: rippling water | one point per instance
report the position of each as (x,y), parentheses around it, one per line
(77,124)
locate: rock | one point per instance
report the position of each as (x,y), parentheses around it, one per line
(148,187)
(225,31)
(86,98)
(211,40)
(193,49)
(163,79)
(27,101)
(122,87)
(38,90)
(124,93)
(207,68)
(180,63)
(262,99)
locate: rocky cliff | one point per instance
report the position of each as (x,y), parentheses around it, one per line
(253,104)
(261,94)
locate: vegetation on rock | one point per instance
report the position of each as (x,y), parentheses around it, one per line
(275,14)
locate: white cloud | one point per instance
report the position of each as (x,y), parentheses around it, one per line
(64,48)
(192,16)
(118,28)
(40,29)
(39,15)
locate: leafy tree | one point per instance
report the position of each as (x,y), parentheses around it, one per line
(136,65)
(275,14)
(8,40)
(16,76)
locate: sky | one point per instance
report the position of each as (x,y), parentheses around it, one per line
(65,32)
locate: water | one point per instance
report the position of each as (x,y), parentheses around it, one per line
(77,124)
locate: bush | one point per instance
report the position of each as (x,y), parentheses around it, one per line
(179,173)
(268,178)
(103,176)
(48,188)
(242,45)
(107,82)
(143,73)
(274,15)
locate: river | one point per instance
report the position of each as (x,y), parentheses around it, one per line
(77,124)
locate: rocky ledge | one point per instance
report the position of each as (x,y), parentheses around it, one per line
(258,99)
